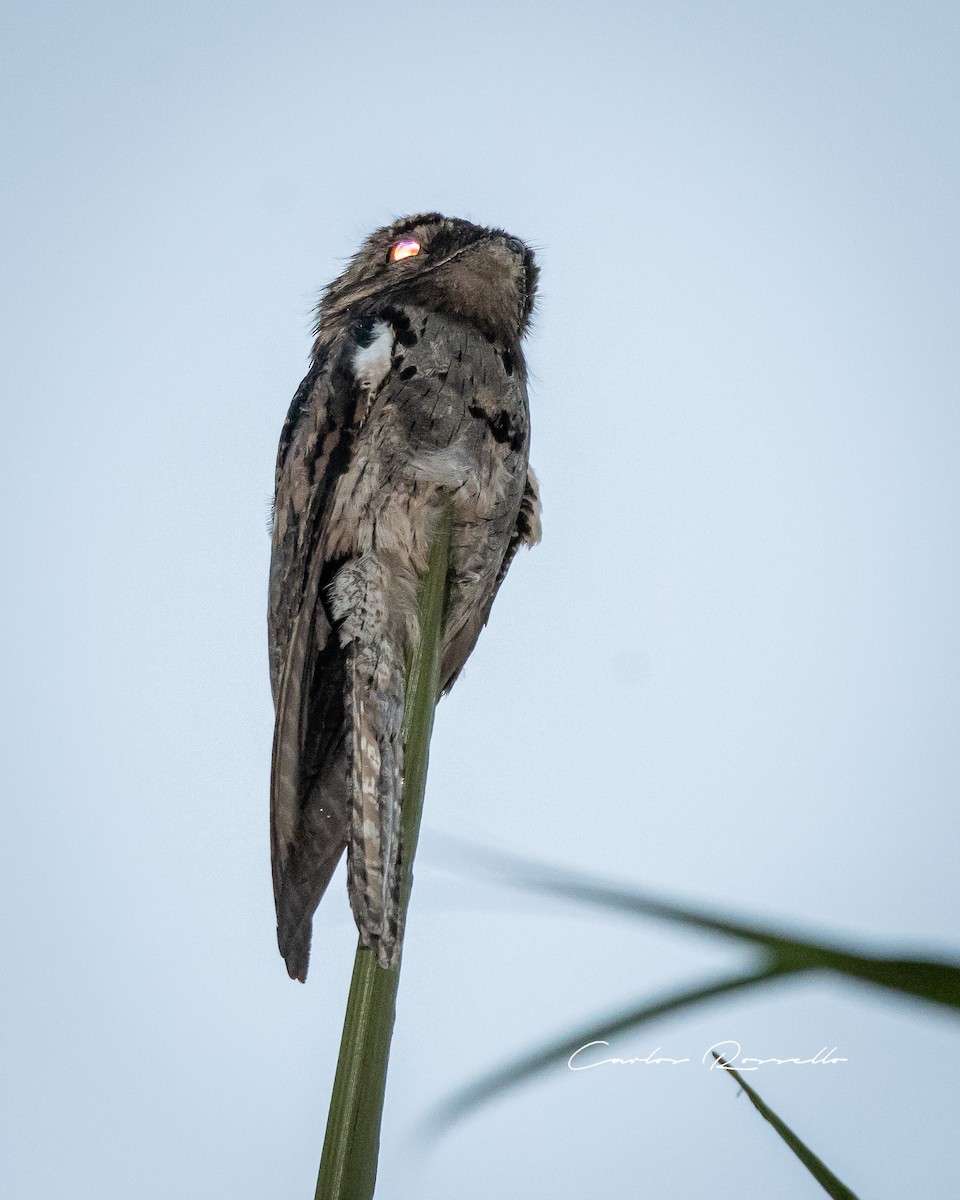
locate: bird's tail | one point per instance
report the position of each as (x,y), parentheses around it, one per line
(374,708)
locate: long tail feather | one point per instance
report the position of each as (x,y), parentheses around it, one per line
(374,704)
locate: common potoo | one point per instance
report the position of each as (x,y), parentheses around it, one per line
(416,397)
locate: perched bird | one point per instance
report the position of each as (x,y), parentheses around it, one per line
(416,397)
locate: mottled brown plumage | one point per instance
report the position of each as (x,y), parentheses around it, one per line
(416,395)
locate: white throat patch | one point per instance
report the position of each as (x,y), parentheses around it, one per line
(371,363)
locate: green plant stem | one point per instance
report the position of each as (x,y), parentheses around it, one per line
(348,1165)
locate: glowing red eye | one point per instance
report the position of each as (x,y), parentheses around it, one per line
(406,249)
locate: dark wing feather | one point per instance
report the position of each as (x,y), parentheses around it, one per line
(527,531)
(309,806)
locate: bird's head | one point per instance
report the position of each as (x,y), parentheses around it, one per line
(482,276)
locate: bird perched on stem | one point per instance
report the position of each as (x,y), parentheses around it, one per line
(416,397)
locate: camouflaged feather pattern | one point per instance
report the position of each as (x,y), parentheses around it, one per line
(416,397)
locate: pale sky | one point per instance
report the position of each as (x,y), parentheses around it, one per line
(730,674)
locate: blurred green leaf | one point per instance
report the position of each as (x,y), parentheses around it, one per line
(779,956)
(936,980)
(554,1053)
(817,1168)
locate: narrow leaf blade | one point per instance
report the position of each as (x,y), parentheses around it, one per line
(936,980)
(816,1166)
(552,1054)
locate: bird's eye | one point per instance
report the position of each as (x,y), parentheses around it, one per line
(405,249)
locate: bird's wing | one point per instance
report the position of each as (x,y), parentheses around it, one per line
(309,804)
(528,530)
